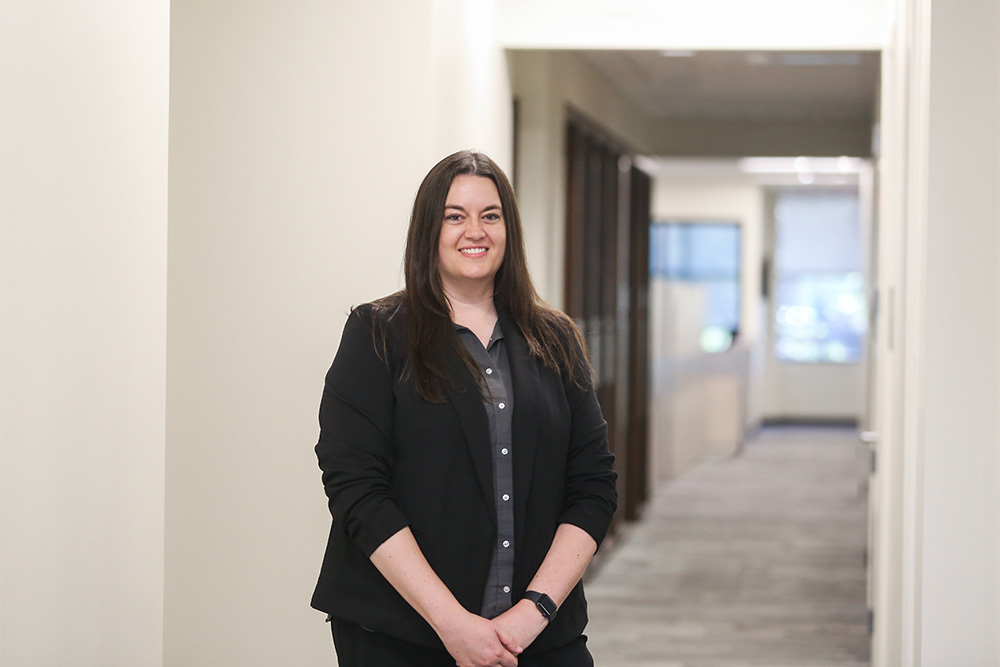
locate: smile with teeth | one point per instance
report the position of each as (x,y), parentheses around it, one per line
(472,251)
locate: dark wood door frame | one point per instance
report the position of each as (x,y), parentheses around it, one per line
(607,279)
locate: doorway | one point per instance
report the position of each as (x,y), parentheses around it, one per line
(816,342)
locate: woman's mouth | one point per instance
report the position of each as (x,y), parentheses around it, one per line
(473,252)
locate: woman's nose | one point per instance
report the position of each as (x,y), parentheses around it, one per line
(474,229)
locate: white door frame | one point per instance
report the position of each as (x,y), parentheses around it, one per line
(897,484)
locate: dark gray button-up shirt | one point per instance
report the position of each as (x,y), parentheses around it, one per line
(499,403)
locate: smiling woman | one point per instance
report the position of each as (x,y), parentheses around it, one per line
(463,451)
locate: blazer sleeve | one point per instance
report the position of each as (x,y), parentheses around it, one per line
(591,482)
(354,450)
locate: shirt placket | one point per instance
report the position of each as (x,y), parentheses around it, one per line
(500,399)
(498,403)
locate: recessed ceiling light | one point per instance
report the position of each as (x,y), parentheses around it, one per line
(802,164)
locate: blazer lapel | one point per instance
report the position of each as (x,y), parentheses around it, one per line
(525,421)
(467,401)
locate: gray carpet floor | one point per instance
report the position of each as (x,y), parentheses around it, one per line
(752,561)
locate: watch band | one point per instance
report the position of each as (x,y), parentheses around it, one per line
(544,603)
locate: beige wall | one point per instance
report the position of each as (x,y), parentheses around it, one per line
(471,105)
(298,136)
(83,186)
(825,391)
(960,389)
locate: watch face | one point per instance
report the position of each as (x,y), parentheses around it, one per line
(547,606)
(544,603)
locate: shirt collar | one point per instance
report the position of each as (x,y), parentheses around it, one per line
(494,337)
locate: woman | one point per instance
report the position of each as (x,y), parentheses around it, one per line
(463,451)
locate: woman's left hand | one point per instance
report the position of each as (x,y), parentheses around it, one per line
(524,621)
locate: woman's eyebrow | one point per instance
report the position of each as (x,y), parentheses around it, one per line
(491,207)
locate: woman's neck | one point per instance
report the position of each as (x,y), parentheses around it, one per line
(474,310)
(470,298)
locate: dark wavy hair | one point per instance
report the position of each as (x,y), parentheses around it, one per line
(429,333)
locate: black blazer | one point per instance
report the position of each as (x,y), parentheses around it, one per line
(390,459)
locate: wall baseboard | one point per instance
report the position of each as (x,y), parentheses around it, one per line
(840,422)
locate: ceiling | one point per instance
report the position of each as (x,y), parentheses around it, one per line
(741,85)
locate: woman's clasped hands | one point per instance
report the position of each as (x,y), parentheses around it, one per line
(474,641)
(478,642)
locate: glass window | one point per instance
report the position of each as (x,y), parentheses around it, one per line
(820,312)
(707,253)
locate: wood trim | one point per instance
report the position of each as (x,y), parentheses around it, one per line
(606,287)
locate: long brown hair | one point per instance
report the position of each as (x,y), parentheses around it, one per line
(429,331)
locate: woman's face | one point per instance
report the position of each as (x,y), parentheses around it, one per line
(473,234)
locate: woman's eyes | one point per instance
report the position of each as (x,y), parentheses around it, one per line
(457,217)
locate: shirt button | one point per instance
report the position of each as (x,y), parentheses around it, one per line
(506,544)
(489,371)
(506,589)
(504,451)
(505,496)
(502,405)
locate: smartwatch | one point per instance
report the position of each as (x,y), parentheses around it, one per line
(543,602)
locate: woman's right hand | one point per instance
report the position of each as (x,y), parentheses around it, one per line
(474,641)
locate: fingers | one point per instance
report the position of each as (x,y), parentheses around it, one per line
(478,642)
(507,659)
(522,623)
(508,640)
(502,658)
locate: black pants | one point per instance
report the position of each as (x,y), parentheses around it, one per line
(357,647)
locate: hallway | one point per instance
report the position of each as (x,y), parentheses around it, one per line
(755,560)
